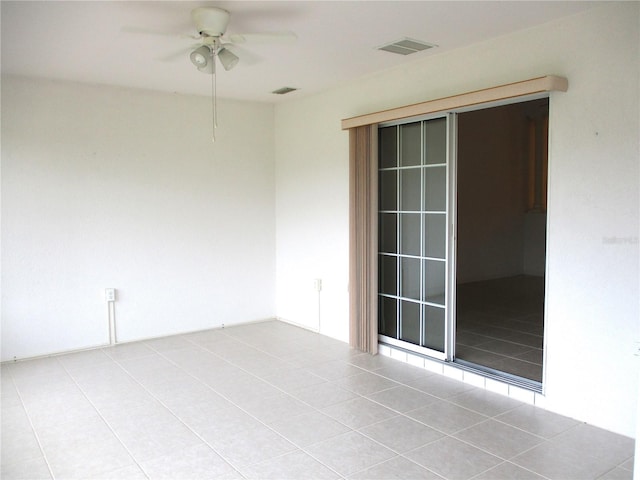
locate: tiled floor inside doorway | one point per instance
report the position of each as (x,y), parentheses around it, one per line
(500,325)
(273,401)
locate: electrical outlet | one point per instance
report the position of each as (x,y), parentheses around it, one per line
(110,294)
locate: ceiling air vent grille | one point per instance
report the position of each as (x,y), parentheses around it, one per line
(406,46)
(284,90)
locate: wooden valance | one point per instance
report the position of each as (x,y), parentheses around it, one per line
(533,86)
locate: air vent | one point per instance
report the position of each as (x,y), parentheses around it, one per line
(406,46)
(284,90)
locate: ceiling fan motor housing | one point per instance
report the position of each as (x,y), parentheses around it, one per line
(211,21)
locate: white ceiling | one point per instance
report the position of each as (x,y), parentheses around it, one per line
(88,41)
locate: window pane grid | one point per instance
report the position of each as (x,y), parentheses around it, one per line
(411,167)
(412,300)
(413,200)
(432,212)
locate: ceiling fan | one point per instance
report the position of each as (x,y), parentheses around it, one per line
(211,24)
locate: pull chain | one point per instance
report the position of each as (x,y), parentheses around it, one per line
(214,103)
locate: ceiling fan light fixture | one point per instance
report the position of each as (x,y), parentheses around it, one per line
(227,58)
(200,57)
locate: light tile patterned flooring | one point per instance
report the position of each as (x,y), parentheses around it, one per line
(273,401)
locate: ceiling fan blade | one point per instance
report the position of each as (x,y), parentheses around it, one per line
(148,31)
(246,56)
(266,37)
(183,52)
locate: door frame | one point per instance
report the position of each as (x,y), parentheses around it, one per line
(419,349)
(449,355)
(451,320)
(452,234)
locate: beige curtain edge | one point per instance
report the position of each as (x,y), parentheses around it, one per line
(373,239)
(363,239)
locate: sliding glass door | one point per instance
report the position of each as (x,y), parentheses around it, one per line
(413,235)
(461,242)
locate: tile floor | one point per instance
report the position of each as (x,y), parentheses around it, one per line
(500,324)
(273,401)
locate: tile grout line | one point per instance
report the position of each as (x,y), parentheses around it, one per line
(317,410)
(451,435)
(515,465)
(487,418)
(33,429)
(173,414)
(108,425)
(250,369)
(235,467)
(445,434)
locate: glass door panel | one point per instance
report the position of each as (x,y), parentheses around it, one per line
(410,322)
(410,234)
(388,194)
(434,327)
(410,189)
(410,144)
(388,240)
(435,235)
(388,274)
(410,275)
(413,235)
(434,281)
(388,151)
(436,141)
(435,194)
(387,317)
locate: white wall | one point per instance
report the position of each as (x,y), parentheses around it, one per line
(312,218)
(592,300)
(106,187)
